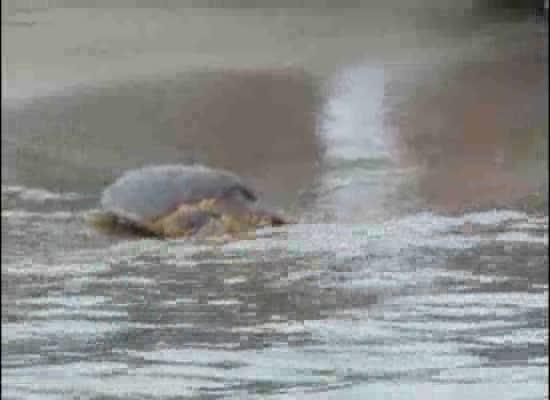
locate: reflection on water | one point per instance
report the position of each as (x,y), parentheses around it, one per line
(382,139)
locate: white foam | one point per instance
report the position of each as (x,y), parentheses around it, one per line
(37,195)
(522,237)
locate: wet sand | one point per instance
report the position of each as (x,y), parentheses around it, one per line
(479,132)
(258,123)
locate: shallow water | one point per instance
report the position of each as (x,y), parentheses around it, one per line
(411,151)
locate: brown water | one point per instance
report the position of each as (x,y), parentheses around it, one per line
(412,150)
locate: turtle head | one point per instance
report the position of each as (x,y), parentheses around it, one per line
(236,223)
(239,216)
(257,216)
(266,218)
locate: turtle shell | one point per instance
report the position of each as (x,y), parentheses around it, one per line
(144,195)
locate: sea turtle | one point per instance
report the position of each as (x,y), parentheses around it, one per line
(183,201)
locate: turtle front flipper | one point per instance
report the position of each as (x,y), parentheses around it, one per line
(114,224)
(214,217)
(186,221)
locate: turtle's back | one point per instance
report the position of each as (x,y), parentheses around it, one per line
(152,192)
